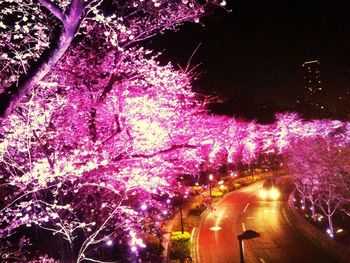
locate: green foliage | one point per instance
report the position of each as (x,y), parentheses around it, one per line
(179,236)
(180,245)
(216,193)
(224,189)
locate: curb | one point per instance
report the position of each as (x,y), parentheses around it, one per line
(338,251)
(194,245)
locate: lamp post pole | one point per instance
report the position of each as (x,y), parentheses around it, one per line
(210,179)
(241,256)
(248,234)
(181,220)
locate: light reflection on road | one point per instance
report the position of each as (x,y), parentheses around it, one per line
(240,210)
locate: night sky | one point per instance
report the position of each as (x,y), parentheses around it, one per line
(252,56)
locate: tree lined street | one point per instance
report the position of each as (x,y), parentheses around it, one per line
(102,141)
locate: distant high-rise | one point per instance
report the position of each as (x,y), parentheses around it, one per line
(310,99)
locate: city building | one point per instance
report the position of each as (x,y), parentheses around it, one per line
(310,99)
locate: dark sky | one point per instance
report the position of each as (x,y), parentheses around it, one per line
(252,56)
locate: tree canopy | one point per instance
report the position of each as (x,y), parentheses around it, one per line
(96,132)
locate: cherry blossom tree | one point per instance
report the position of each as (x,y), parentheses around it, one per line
(322,171)
(95,160)
(302,163)
(289,126)
(101,130)
(93,168)
(36,34)
(97,131)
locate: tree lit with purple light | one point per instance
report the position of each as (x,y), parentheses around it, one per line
(322,171)
(95,132)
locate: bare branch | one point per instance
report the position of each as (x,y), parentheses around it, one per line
(172,148)
(54,9)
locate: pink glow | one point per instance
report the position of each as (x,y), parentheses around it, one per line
(98,143)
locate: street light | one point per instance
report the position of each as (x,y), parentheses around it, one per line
(210,179)
(248,234)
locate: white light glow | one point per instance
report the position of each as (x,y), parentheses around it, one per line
(274,194)
(215,228)
(263,194)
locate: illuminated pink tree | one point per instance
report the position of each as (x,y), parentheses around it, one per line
(223,140)
(289,126)
(322,171)
(34,35)
(302,161)
(95,144)
(101,130)
(90,160)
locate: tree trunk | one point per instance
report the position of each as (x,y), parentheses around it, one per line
(12,96)
(303,201)
(313,212)
(330,225)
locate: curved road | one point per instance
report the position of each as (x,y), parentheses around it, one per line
(216,241)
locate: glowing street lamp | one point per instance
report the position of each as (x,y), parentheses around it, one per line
(248,234)
(210,179)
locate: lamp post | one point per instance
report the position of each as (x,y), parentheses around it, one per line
(210,179)
(248,234)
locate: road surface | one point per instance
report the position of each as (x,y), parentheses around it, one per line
(216,241)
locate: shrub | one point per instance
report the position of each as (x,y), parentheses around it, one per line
(244,181)
(229,180)
(233,186)
(196,189)
(266,175)
(180,245)
(196,208)
(223,189)
(154,249)
(179,236)
(236,186)
(257,178)
(215,193)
